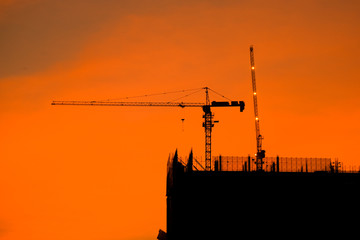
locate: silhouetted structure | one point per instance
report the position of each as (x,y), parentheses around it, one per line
(251,204)
(260,153)
(208,123)
(273,164)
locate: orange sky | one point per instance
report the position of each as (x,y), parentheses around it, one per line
(99,173)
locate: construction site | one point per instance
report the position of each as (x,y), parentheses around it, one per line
(223,197)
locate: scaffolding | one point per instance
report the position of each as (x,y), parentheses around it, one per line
(273,164)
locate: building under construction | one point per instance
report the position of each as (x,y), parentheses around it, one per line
(233,201)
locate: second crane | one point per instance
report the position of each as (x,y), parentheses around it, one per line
(260,153)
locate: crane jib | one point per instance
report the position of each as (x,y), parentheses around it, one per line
(240,104)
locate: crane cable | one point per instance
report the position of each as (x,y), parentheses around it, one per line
(154,94)
(195,90)
(219,94)
(186,95)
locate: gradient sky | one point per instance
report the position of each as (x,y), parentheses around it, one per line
(99,173)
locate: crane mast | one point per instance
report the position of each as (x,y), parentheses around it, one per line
(208,125)
(260,153)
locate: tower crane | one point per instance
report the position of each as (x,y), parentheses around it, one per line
(260,153)
(208,123)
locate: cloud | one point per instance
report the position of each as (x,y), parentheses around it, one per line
(37,34)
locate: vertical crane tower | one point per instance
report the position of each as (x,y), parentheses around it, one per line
(208,125)
(260,153)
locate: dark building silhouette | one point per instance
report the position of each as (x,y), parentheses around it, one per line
(247,204)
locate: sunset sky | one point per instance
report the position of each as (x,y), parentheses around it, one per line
(99,173)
